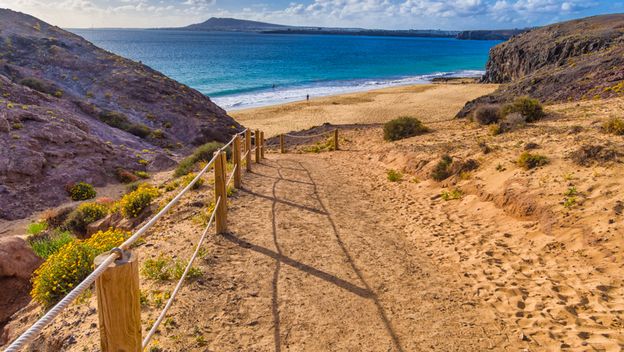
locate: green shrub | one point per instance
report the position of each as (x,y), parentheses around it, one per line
(188,178)
(156,269)
(442,170)
(114,119)
(82,191)
(142,174)
(322,146)
(158,134)
(139,130)
(403,127)
(163,269)
(453,194)
(530,108)
(85,214)
(202,153)
(530,161)
(47,245)
(614,126)
(394,176)
(36,228)
(133,203)
(38,85)
(63,270)
(487,114)
(121,121)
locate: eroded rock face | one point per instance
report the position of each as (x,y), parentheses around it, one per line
(71,112)
(574,60)
(17,263)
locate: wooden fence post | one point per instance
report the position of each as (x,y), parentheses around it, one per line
(119,307)
(248,149)
(221,192)
(336,139)
(257,144)
(282,147)
(262,145)
(236,155)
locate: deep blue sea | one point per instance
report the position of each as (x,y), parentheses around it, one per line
(239,70)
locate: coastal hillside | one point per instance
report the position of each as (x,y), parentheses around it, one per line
(72,112)
(575,60)
(233,24)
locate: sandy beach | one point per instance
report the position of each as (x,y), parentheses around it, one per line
(428,102)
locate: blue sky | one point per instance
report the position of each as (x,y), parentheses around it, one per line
(387,14)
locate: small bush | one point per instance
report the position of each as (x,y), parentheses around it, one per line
(156,269)
(442,169)
(394,176)
(322,146)
(188,178)
(142,174)
(82,191)
(202,153)
(403,127)
(125,176)
(453,194)
(530,161)
(614,126)
(139,130)
(63,270)
(36,228)
(530,108)
(588,155)
(38,85)
(163,269)
(85,214)
(495,130)
(133,203)
(531,146)
(487,114)
(47,245)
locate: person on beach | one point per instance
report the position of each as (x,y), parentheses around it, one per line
(307,97)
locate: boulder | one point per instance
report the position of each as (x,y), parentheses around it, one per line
(17,263)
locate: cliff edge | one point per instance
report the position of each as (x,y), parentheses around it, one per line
(569,61)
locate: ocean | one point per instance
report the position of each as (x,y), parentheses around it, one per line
(241,70)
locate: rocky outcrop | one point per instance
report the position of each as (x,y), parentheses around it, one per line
(17,262)
(495,34)
(70,112)
(575,60)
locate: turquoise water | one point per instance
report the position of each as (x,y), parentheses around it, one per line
(247,69)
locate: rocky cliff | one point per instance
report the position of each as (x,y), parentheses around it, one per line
(70,112)
(574,60)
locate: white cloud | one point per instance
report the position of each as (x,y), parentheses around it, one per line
(449,14)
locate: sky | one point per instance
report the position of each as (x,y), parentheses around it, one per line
(378,14)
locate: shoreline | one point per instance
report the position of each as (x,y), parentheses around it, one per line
(429,102)
(297,92)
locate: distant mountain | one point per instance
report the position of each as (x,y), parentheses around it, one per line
(233,25)
(236,25)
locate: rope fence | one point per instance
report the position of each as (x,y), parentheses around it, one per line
(116,273)
(282,139)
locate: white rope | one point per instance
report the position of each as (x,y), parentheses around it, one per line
(310,136)
(162,315)
(232,175)
(244,157)
(36,328)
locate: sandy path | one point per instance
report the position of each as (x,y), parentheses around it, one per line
(326,269)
